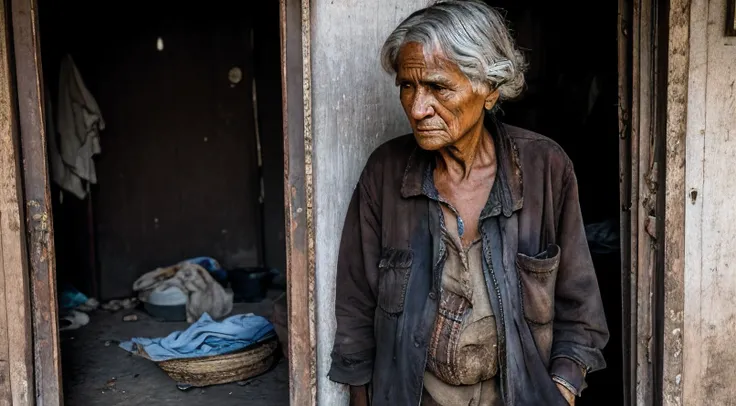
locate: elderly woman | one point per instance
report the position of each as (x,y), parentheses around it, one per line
(464,276)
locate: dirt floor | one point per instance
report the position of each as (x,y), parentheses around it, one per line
(98,372)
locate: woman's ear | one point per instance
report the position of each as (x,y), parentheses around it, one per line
(491,99)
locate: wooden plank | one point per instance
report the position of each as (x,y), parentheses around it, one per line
(10,256)
(718,227)
(628,310)
(295,42)
(355,108)
(16,364)
(674,200)
(709,360)
(695,358)
(47,362)
(643,199)
(646,198)
(634,213)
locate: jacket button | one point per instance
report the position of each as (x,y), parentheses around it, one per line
(433,296)
(416,343)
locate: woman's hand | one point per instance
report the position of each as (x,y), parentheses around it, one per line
(359,395)
(569,396)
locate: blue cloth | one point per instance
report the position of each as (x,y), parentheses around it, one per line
(204,338)
(71,298)
(207,263)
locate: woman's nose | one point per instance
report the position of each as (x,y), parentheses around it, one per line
(421,106)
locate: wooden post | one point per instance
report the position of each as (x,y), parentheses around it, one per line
(628,310)
(37,201)
(678,64)
(16,361)
(295,74)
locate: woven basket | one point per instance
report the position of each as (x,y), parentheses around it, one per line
(220,369)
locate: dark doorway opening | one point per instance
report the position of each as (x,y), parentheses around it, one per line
(572,97)
(191,165)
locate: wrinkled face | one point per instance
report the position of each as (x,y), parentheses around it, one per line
(438,98)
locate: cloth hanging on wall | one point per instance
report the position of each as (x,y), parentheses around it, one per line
(78,123)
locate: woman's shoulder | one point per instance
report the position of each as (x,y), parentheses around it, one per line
(387,164)
(392,153)
(534,148)
(397,146)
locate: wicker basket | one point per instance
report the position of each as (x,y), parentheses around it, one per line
(220,369)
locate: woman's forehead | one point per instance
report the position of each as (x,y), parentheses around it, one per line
(414,55)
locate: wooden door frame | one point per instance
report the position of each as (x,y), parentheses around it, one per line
(653,194)
(36,202)
(298,200)
(652,134)
(637,117)
(28,251)
(673,202)
(16,351)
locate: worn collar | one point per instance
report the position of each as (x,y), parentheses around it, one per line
(506,195)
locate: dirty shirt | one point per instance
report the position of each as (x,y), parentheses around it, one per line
(462,361)
(535,262)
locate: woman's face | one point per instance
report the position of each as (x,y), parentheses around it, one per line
(438,98)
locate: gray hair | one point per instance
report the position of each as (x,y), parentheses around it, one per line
(469,33)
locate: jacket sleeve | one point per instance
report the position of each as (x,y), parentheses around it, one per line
(580,330)
(355,300)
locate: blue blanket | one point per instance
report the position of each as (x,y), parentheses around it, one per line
(204,338)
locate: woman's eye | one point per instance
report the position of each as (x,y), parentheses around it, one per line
(438,88)
(405,85)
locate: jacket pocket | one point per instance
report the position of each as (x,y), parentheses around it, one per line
(538,275)
(394,269)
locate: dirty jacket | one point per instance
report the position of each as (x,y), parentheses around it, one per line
(536,263)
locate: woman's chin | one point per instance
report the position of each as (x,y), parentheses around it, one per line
(430,141)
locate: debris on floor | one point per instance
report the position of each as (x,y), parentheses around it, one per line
(117,305)
(90,305)
(73,308)
(93,358)
(130,317)
(72,320)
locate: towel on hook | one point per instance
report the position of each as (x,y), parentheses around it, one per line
(78,123)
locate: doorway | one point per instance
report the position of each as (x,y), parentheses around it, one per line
(526,113)
(572,97)
(190,167)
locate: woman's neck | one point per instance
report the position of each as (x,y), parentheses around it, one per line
(474,150)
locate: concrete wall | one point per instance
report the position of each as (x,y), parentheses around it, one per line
(709,364)
(355,108)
